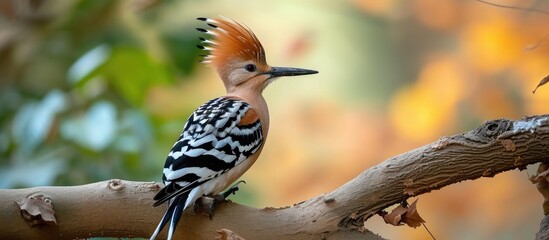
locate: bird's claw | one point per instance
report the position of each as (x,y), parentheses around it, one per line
(207,204)
(232,190)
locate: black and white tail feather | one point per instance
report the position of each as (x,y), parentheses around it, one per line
(212,143)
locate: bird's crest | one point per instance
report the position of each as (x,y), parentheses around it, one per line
(229,40)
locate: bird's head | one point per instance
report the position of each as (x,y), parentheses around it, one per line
(238,57)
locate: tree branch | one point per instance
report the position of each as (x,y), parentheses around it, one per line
(123,209)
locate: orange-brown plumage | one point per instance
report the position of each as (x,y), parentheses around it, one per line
(249,117)
(231,41)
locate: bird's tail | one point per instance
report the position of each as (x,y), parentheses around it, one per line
(173,214)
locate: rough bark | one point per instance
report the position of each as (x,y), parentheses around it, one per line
(123,209)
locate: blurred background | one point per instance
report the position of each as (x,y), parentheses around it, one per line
(94,90)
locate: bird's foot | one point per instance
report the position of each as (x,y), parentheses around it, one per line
(232,190)
(206,205)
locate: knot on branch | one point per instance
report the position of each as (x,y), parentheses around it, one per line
(37,209)
(489,131)
(116,184)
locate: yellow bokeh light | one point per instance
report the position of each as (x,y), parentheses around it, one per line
(418,114)
(445,79)
(424,110)
(492,45)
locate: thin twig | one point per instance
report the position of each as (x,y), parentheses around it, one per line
(540,42)
(425,226)
(515,8)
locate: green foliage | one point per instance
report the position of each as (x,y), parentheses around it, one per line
(129,71)
(73,93)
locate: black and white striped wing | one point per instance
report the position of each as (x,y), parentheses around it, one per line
(213,141)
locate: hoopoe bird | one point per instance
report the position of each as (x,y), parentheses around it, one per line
(224,136)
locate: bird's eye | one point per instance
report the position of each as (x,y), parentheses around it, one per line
(250,68)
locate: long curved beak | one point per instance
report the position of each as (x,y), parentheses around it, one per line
(287,71)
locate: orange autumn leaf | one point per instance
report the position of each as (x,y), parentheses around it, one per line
(404,215)
(412,218)
(395,217)
(543,176)
(541,83)
(542,184)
